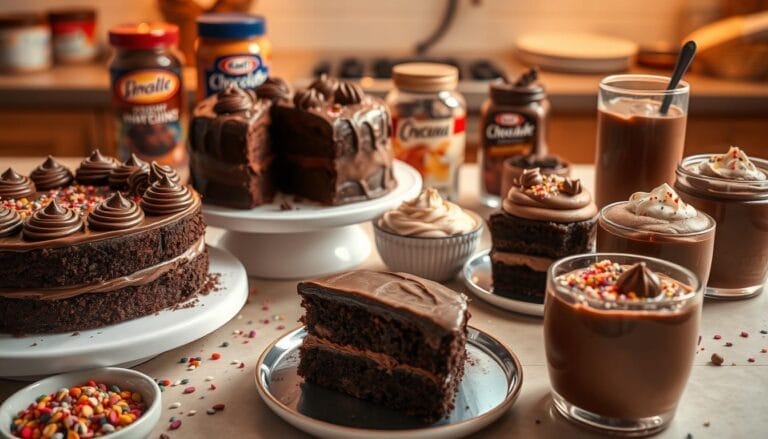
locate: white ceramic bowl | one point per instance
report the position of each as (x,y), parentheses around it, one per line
(437,259)
(123,378)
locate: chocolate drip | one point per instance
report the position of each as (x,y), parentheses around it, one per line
(51,222)
(233,99)
(640,280)
(138,182)
(308,99)
(51,175)
(325,86)
(157,171)
(348,93)
(10,221)
(531,177)
(571,186)
(95,169)
(15,185)
(118,178)
(115,213)
(165,197)
(274,89)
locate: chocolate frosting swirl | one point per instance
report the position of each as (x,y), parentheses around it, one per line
(233,99)
(51,222)
(348,93)
(548,198)
(51,175)
(95,169)
(115,213)
(640,281)
(274,89)
(308,99)
(571,186)
(157,171)
(324,85)
(118,178)
(10,221)
(138,182)
(15,185)
(165,197)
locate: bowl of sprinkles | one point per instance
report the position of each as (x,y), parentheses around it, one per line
(110,401)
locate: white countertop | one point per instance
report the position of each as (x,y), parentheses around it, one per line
(725,401)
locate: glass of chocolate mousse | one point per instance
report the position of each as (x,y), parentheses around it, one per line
(733,189)
(637,146)
(661,225)
(620,334)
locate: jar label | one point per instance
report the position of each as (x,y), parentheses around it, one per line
(148,106)
(504,134)
(246,71)
(435,147)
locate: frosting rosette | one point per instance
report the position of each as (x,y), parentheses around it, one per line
(308,99)
(115,213)
(733,165)
(157,171)
(10,221)
(95,169)
(549,198)
(15,185)
(348,93)
(233,99)
(51,222)
(118,177)
(51,175)
(165,197)
(274,89)
(138,182)
(428,216)
(325,85)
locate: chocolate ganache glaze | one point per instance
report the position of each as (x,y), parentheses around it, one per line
(51,175)
(274,89)
(308,99)
(165,197)
(348,93)
(157,171)
(15,185)
(115,213)
(52,221)
(549,198)
(325,85)
(95,169)
(10,221)
(234,100)
(118,177)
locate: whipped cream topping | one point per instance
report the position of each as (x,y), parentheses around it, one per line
(660,203)
(428,216)
(733,165)
(549,198)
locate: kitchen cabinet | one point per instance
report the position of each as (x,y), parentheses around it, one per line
(61,132)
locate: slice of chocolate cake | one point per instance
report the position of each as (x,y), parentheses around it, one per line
(391,338)
(543,218)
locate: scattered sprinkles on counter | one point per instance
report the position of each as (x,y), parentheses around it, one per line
(91,410)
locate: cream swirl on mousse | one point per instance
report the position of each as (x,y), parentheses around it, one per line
(733,165)
(428,216)
(549,198)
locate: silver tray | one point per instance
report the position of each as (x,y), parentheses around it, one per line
(492,380)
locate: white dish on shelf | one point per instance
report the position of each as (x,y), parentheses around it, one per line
(476,275)
(131,342)
(576,52)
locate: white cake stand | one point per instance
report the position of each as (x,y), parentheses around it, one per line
(309,240)
(132,342)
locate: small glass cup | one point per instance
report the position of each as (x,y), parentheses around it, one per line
(691,250)
(740,260)
(637,147)
(620,366)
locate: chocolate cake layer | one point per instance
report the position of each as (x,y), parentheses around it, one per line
(19,316)
(519,282)
(540,238)
(117,254)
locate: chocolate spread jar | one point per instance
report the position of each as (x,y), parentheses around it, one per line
(147,92)
(25,43)
(512,122)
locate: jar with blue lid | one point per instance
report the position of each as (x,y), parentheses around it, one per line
(231,48)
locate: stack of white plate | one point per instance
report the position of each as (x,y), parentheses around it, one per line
(576,52)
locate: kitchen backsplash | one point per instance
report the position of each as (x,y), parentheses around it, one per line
(394,25)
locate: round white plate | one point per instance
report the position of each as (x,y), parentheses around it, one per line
(131,341)
(576,51)
(492,380)
(308,216)
(477,277)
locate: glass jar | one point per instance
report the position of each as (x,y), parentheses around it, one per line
(25,43)
(231,48)
(74,35)
(429,120)
(148,93)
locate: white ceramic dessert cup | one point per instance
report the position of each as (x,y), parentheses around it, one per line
(437,259)
(124,378)
(620,366)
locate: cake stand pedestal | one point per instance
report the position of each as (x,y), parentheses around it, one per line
(309,239)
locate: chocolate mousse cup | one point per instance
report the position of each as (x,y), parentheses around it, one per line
(740,259)
(622,365)
(691,250)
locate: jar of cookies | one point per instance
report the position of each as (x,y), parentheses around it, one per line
(429,118)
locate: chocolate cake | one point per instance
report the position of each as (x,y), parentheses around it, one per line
(329,143)
(543,218)
(79,255)
(391,338)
